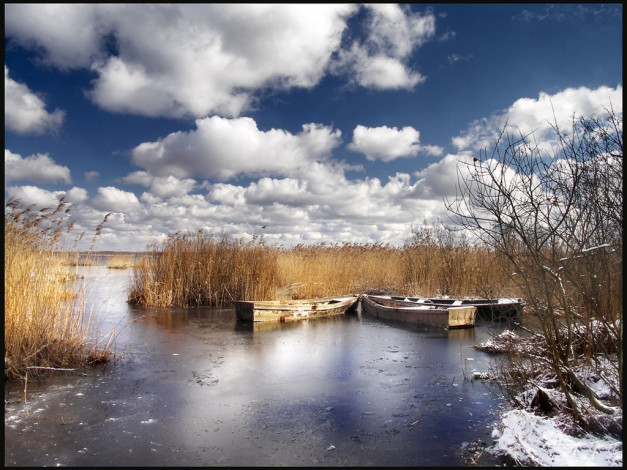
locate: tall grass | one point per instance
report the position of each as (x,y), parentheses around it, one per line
(120,261)
(439,261)
(45,326)
(323,270)
(194,269)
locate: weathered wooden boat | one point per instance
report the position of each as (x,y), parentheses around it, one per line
(290,310)
(487,309)
(414,313)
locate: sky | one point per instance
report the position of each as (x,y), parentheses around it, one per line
(335,123)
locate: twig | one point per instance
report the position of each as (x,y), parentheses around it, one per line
(528,330)
(37,367)
(38,351)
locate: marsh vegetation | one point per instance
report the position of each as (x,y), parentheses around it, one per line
(46,326)
(201,269)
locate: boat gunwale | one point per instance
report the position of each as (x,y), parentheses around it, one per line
(480,302)
(378,300)
(297,304)
(271,310)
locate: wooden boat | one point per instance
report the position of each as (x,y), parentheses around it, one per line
(290,310)
(406,311)
(487,309)
(270,326)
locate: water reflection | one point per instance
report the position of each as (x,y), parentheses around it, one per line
(174,318)
(197,387)
(259,327)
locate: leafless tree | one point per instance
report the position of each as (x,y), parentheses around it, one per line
(555,210)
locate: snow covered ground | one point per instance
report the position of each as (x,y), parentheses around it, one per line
(529,439)
(533,440)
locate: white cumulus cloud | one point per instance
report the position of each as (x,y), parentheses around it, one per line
(39,168)
(162,186)
(389,143)
(441,178)
(32,195)
(170,186)
(66,35)
(112,199)
(223,148)
(381,60)
(535,115)
(76,195)
(194,60)
(25,112)
(183,59)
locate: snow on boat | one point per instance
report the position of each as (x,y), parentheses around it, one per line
(290,310)
(487,309)
(411,312)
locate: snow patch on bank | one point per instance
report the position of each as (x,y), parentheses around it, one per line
(530,439)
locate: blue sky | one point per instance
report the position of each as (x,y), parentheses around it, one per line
(322,122)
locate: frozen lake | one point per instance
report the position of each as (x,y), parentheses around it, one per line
(194,387)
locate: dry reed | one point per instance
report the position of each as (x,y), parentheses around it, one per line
(338,269)
(194,269)
(202,269)
(439,261)
(45,326)
(120,261)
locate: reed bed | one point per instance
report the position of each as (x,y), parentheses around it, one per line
(45,326)
(462,271)
(120,261)
(439,261)
(323,270)
(195,269)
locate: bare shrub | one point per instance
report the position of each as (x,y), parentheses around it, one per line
(556,215)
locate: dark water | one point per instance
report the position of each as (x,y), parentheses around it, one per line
(196,388)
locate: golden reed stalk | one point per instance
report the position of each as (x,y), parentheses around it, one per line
(196,269)
(45,326)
